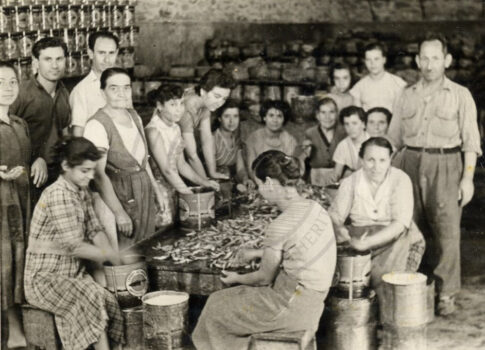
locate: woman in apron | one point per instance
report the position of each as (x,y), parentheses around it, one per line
(14,208)
(379,201)
(123,175)
(166,146)
(64,234)
(321,141)
(297,266)
(228,145)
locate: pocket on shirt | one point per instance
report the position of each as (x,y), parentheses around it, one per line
(445,122)
(409,120)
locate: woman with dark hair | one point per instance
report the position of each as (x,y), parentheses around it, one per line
(341,77)
(123,175)
(274,115)
(297,266)
(321,141)
(213,90)
(228,145)
(378,198)
(166,146)
(14,208)
(64,233)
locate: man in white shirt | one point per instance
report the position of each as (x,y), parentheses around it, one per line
(379,88)
(86,97)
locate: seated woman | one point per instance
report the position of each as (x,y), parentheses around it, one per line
(298,260)
(321,140)
(123,175)
(272,136)
(14,209)
(64,233)
(229,159)
(379,201)
(346,155)
(166,144)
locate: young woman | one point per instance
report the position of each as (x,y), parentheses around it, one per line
(321,141)
(272,136)
(123,175)
(166,144)
(377,121)
(378,198)
(341,77)
(346,155)
(14,208)
(265,299)
(64,233)
(228,144)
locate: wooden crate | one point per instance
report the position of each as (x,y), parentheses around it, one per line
(303,340)
(40,328)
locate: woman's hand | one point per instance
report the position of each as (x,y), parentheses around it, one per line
(12,174)
(160,199)
(219,176)
(229,277)
(359,244)
(250,185)
(212,184)
(124,224)
(242,257)
(342,235)
(185,190)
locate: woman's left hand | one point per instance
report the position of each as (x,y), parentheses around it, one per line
(229,277)
(359,244)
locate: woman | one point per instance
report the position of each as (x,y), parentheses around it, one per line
(64,233)
(379,201)
(274,115)
(228,144)
(341,76)
(321,140)
(14,208)
(346,155)
(297,265)
(123,175)
(166,144)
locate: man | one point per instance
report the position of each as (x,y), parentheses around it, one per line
(43,102)
(379,88)
(436,122)
(86,97)
(213,90)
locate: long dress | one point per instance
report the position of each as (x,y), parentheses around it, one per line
(56,281)
(294,302)
(14,214)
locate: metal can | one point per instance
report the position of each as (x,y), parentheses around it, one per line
(5,19)
(73,65)
(128,58)
(25,43)
(80,39)
(72,16)
(35,18)
(49,20)
(124,37)
(21,18)
(117,16)
(106,15)
(10,47)
(69,38)
(62,16)
(84,15)
(128,15)
(95,16)
(85,64)
(134,33)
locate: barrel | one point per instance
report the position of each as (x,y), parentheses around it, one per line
(165,320)
(196,209)
(133,324)
(351,324)
(128,282)
(403,311)
(352,272)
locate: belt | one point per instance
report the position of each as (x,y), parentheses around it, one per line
(435,150)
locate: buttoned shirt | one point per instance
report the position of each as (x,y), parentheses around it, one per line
(445,119)
(322,149)
(85,99)
(45,115)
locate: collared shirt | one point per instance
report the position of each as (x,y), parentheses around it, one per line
(341,99)
(85,99)
(45,115)
(195,112)
(445,119)
(323,150)
(378,93)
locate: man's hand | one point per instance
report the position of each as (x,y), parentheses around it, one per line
(124,224)
(467,188)
(38,172)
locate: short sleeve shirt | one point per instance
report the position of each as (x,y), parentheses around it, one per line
(85,99)
(304,234)
(347,153)
(378,93)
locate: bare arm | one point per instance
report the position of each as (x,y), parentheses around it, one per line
(208,149)
(100,251)
(467,188)
(191,153)
(77,131)
(379,239)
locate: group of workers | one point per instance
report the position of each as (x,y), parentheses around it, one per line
(81,179)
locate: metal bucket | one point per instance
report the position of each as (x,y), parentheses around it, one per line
(352,272)
(133,321)
(403,302)
(128,282)
(403,338)
(196,210)
(165,320)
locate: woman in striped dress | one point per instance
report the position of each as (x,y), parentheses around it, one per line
(228,145)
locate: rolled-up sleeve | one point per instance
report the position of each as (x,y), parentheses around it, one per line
(340,208)
(468,123)
(402,200)
(61,208)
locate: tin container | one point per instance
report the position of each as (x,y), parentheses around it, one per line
(67,36)
(73,65)
(48,17)
(134,33)
(5,19)
(84,64)
(124,36)
(25,42)
(21,18)
(72,16)
(35,18)
(106,15)
(84,16)
(117,16)
(10,47)
(128,15)
(95,18)
(79,39)
(196,209)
